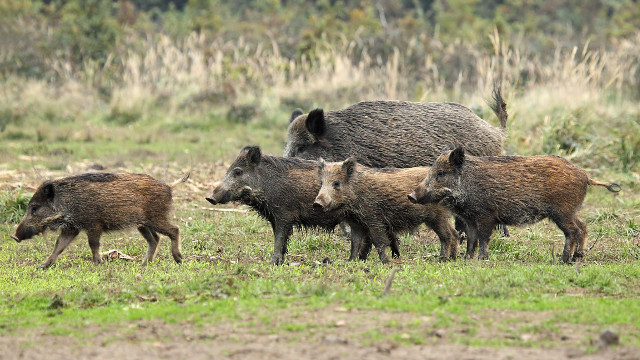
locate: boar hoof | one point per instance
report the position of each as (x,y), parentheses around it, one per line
(277,259)
(44,266)
(177,258)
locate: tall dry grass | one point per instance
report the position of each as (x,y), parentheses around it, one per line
(558,104)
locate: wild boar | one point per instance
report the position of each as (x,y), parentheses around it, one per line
(375,199)
(396,134)
(97,203)
(282,191)
(509,190)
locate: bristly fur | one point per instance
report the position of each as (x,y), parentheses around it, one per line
(376,199)
(101,202)
(396,134)
(510,190)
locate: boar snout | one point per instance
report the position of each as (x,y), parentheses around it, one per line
(321,203)
(412,197)
(14,237)
(211,200)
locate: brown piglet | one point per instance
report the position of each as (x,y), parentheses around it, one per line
(97,203)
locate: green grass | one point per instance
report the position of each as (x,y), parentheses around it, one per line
(520,297)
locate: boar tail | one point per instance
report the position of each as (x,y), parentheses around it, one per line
(498,105)
(613,187)
(181,180)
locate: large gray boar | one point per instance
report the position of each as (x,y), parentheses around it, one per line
(282,191)
(375,199)
(97,203)
(509,190)
(396,134)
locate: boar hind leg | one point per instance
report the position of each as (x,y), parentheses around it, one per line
(281,238)
(573,236)
(174,234)
(65,238)
(395,251)
(94,243)
(152,240)
(579,252)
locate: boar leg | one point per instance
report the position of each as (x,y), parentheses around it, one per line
(174,234)
(395,251)
(152,240)
(357,241)
(448,244)
(66,236)
(281,233)
(573,236)
(93,236)
(579,253)
(380,239)
(472,241)
(461,228)
(393,241)
(483,236)
(365,249)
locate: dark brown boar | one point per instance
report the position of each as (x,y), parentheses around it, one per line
(97,203)
(375,200)
(281,190)
(509,190)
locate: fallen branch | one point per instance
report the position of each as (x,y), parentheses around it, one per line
(387,285)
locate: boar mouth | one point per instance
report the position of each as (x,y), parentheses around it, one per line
(436,196)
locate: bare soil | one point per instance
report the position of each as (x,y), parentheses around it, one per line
(332,334)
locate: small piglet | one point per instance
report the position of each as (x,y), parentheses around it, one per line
(97,203)
(281,190)
(375,199)
(509,190)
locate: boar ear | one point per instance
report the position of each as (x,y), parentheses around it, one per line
(447,148)
(253,155)
(315,123)
(295,114)
(48,192)
(348,166)
(456,158)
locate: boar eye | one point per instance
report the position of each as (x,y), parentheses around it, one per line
(300,149)
(440,174)
(237,172)
(336,184)
(34,209)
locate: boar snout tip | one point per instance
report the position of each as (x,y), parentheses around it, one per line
(317,205)
(211,200)
(14,237)
(412,198)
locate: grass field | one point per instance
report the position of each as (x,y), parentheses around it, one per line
(226,297)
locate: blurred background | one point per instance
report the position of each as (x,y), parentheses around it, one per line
(184,82)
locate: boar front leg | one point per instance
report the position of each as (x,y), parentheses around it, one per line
(281,233)
(358,238)
(94,243)
(65,238)
(484,234)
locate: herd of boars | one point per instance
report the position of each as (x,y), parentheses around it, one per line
(381,167)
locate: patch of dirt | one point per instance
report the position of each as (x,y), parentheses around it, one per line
(330,333)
